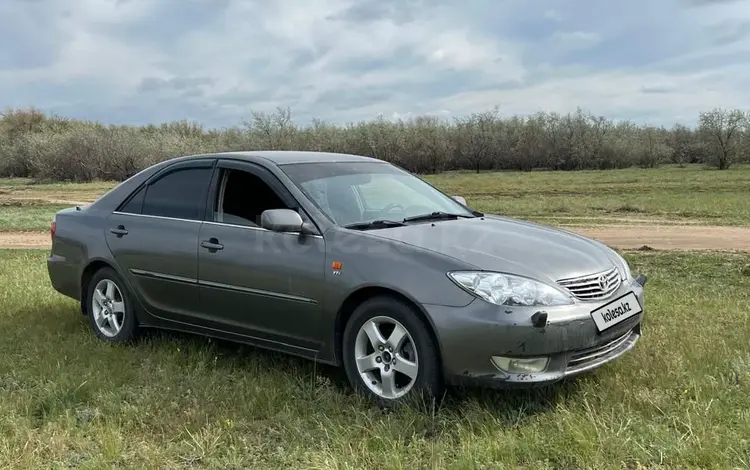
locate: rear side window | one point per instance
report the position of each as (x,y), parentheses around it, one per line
(134,205)
(180,194)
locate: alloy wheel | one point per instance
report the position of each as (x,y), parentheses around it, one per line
(386,357)
(108,307)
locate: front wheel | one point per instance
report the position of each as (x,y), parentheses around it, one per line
(389,354)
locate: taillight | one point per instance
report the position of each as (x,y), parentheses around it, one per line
(52,228)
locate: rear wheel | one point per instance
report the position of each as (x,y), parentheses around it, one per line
(389,354)
(109,308)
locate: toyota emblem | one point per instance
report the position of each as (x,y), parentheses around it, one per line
(603,282)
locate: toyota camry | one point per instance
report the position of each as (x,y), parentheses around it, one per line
(347,260)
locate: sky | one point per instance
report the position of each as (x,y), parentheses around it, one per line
(216,61)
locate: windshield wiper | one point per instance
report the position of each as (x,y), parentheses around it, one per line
(439,215)
(375,224)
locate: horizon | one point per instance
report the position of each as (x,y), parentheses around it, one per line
(244,121)
(119,62)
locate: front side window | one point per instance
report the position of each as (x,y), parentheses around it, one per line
(180,194)
(242,197)
(353,193)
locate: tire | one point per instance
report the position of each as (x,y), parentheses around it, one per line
(120,310)
(387,314)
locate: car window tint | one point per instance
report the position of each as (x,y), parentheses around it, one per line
(134,205)
(245,197)
(180,194)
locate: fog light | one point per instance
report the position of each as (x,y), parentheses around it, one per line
(520,365)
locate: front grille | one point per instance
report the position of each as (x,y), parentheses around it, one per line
(585,356)
(594,286)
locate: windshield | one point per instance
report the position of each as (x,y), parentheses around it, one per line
(363,192)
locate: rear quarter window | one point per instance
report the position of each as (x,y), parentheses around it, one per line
(180,194)
(135,203)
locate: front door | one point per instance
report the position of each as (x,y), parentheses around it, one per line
(253,281)
(154,238)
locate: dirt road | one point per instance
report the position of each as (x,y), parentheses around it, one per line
(24,240)
(659,237)
(670,237)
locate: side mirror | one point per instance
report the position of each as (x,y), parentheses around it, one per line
(460,200)
(284,220)
(281,220)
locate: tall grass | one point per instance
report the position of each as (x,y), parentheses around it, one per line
(680,399)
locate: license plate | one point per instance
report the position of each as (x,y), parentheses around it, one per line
(617,311)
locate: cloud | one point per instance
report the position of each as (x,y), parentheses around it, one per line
(708,2)
(730,31)
(215,61)
(553,14)
(575,40)
(149,84)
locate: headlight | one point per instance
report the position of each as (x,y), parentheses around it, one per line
(507,289)
(626,268)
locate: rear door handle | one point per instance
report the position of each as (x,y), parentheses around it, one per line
(212,244)
(119,231)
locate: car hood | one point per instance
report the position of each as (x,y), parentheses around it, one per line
(503,244)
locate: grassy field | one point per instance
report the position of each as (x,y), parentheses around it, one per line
(25,206)
(680,399)
(670,194)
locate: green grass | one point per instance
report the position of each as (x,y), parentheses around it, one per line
(25,184)
(680,399)
(670,194)
(30,207)
(27,218)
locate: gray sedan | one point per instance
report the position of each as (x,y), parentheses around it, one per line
(346,260)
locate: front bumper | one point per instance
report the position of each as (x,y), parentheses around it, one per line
(471,335)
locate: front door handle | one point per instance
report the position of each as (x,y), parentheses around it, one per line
(119,231)
(212,244)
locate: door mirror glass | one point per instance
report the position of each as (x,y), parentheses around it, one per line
(460,200)
(281,220)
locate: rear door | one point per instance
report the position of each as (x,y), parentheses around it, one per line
(154,238)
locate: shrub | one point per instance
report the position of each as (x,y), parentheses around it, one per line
(54,148)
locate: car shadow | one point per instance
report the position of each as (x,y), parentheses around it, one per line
(508,403)
(513,401)
(285,363)
(506,406)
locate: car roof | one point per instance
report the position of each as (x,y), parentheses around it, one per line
(287,157)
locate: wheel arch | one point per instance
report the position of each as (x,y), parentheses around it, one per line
(88,272)
(360,295)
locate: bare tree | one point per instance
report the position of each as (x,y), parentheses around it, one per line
(745,141)
(427,145)
(683,142)
(654,150)
(720,130)
(275,131)
(33,144)
(529,143)
(383,139)
(476,139)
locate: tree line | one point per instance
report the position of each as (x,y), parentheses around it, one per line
(54,148)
